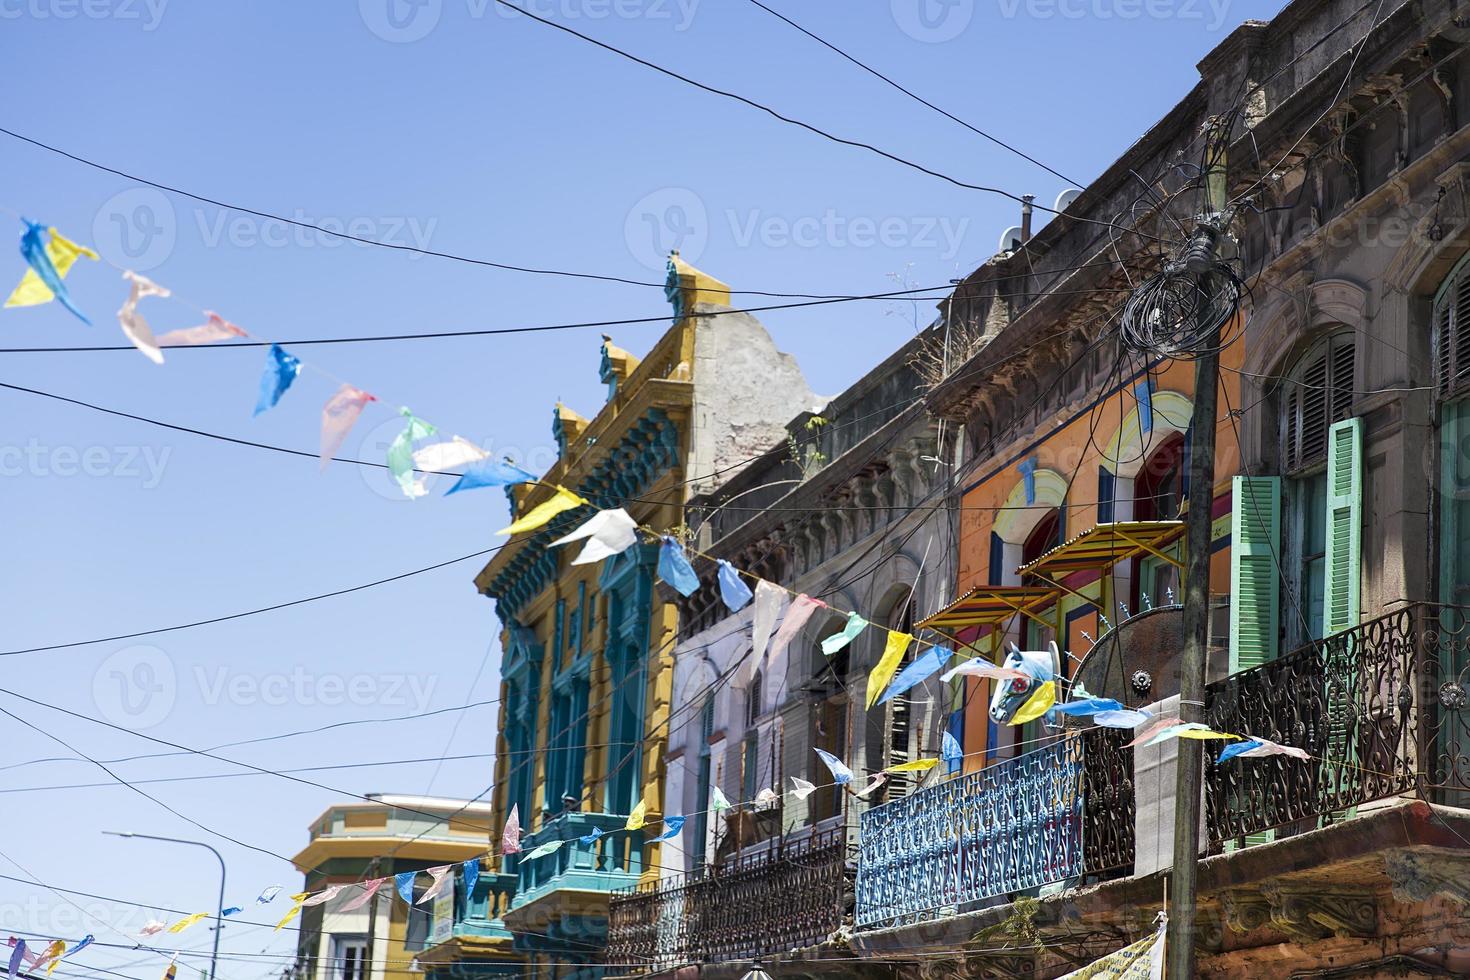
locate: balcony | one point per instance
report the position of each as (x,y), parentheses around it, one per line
(475,943)
(610,863)
(1050,816)
(786,897)
(1384,702)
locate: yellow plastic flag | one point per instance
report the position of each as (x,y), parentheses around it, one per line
(52,956)
(1206,733)
(637,817)
(1037,705)
(918,765)
(887,664)
(543,512)
(295,910)
(187,921)
(63,253)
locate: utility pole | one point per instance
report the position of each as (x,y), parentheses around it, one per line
(1200,260)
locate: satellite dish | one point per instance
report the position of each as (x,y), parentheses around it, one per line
(1065,199)
(1010,239)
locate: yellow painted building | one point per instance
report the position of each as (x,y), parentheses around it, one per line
(358,841)
(588,649)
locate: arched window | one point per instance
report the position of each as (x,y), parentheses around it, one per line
(1317,393)
(1158,495)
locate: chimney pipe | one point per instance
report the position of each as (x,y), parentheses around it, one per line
(1026,200)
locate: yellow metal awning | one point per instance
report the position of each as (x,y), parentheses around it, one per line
(1101,547)
(992,605)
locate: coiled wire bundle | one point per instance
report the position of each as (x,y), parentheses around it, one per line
(1179,314)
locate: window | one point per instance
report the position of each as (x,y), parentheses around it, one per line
(1317,393)
(349,957)
(1452,362)
(753,701)
(702,780)
(1158,494)
(1452,334)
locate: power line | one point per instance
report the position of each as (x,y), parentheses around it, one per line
(253,612)
(231,775)
(917,98)
(343,235)
(488,332)
(797,122)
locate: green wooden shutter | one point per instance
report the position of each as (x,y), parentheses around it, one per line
(1340,604)
(1344,525)
(1255,546)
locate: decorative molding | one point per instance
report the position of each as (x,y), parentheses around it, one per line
(1418,876)
(1244,911)
(1309,911)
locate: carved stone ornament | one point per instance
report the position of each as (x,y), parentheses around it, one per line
(1309,911)
(1418,876)
(1245,911)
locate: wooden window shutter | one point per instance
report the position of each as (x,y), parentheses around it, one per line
(1255,595)
(1344,525)
(997,560)
(1452,335)
(1106,484)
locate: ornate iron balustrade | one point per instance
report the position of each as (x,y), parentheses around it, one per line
(1380,708)
(1047,816)
(789,897)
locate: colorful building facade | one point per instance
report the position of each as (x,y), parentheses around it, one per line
(588,649)
(386,938)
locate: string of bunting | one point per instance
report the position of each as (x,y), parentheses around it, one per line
(51,256)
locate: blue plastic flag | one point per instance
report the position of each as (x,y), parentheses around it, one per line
(490,473)
(16,956)
(267,896)
(841,775)
(951,752)
(1086,706)
(232,910)
(672,826)
(281,369)
(931,662)
(33,250)
(85,941)
(404,883)
(591,838)
(1238,748)
(734,591)
(1123,718)
(471,875)
(675,569)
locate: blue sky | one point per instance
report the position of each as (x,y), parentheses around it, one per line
(463,128)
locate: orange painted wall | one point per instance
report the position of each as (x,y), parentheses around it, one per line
(1075,445)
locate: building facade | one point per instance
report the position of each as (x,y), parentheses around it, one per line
(848,508)
(359,841)
(1335,563)
(588,649)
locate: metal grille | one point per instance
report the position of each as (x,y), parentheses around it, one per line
(1019,824)
(1380,707)
(784,898)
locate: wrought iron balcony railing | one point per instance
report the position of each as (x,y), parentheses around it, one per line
(1048,816)
(787,897)
(1380,707)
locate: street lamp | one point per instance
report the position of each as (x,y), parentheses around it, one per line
(218,921)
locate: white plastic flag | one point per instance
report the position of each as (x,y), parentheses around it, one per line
(449,455)
(134,327)
(608,533)
(803,788)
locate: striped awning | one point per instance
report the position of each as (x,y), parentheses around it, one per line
(1104,545)
(991,605)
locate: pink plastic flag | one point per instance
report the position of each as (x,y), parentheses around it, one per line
(152,928)
(339,415)
(217,330)
(797,614)
(980,667)
(368,890)
(874,781)
(510,837)
(442,880)
(322,897)
(1152,730)
(770,599)
(134,327)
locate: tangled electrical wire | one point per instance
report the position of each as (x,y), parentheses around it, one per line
(1180,314)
